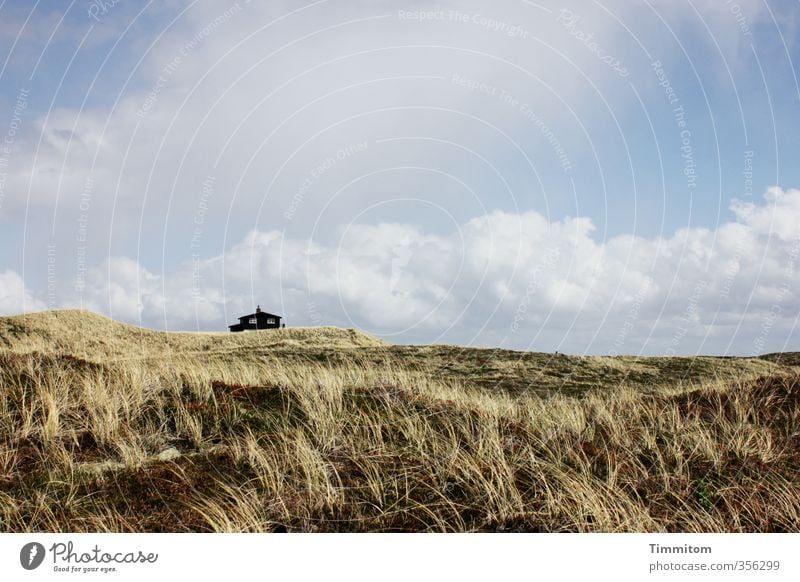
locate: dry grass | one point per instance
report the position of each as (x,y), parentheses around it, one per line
(93,337)
(124,429)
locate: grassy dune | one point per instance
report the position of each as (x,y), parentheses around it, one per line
(108,427)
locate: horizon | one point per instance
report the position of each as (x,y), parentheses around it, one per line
(413,344)
(591,179)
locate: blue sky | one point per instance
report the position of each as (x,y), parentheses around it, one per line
(593,177)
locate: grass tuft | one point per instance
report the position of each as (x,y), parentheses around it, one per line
(127,430)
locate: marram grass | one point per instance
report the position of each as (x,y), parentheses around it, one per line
(108,427)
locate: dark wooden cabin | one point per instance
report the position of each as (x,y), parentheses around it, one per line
(258,320)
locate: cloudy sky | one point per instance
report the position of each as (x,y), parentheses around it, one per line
(588,176)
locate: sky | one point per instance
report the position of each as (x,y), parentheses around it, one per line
(591,177)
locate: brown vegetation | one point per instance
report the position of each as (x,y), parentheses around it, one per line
(106,427)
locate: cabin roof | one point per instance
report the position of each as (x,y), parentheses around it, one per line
(261,313)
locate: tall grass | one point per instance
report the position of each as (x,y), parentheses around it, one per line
(271,446)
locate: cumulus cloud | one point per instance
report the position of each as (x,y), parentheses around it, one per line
(517,280)
(15,297)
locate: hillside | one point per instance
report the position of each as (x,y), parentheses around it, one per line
(95,338)
(109,427)
(92,336)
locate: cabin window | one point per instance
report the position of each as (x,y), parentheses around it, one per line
(253,320)
(270,320)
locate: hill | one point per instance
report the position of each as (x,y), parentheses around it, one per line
(92,336)
(110,427)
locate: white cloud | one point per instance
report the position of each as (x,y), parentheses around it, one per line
(499,279)
(15,297)
(247,75)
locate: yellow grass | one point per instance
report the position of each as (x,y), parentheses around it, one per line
(108,427)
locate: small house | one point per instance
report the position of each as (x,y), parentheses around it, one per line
(258,320)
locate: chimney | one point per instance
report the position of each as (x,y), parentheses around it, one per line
(258,309)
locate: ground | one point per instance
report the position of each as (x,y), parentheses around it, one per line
(109,427)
